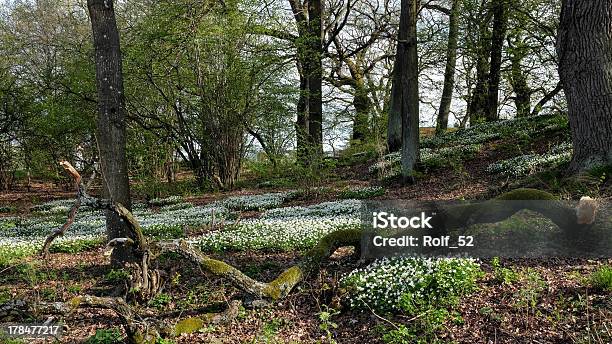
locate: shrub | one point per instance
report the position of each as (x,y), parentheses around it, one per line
(407,284)
(502,274)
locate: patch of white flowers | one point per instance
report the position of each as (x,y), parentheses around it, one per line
(281,228)
(28,234)
(166,201)
(386,282)
(530,163)
(485,132)
(390,164)
(285,228)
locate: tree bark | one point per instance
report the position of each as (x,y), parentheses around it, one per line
(449,71)
(363,108)
(584,47)
(497,44)
(314,72)
(517,51)
(394,124)
(477,107)
(301,126)
(406,79)
(111,126)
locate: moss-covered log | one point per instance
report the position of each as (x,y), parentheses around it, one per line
(285,282)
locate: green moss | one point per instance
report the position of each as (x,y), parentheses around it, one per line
(321,251)
(283,283)
(527,195)
(217,267)
(188,325)
(75,302)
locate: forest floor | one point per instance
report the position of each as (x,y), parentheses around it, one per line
(547,300)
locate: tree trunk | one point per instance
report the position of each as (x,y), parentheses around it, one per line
(522,92)
(111,119)
(584,47)
(314,73)
(449,71)
(477,106)
(497,45)
(301,126)
(406,78)
(363,108)
(394,124)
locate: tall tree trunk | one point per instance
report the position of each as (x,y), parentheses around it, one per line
(584,47)
(111,126)
(518,80)
(394,120)
(406,78)
(497,44)
(449,71)
(301,125)
(477,107)
(314,74)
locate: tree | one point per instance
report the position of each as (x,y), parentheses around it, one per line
(111,125)
(497,44)
(449,71)
(357,57)
(585,68)
(405,93)
(482,46)
(314,73)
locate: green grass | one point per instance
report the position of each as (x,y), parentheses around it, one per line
(601,279)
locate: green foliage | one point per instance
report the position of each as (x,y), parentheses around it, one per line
(326,324)
(11,255)
(7,209)
(164,341)
(164,231)
(160,300)
(532,285)
(362,193)
(117,276)
(105,336)
(152,188)
(75,246)
(601,279)
(502,274)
